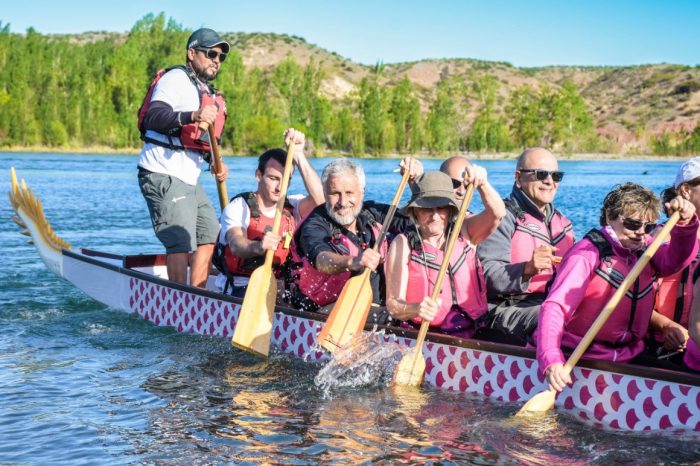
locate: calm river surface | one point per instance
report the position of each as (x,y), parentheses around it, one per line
(83,384)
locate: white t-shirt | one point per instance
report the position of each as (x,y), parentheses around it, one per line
(237,214)
(175,89)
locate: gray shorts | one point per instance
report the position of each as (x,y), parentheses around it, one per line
(181,214)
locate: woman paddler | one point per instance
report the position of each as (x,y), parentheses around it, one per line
(595,266)
(415,257)
(674,296)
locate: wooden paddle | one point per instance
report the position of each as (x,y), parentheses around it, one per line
(544,401)
(254,326)
(411,369)
(350,311)
(216,160)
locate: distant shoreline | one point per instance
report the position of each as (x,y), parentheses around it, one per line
(102,150)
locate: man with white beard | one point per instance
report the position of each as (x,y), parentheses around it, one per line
(335,241)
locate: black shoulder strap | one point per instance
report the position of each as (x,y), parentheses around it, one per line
(513,207)
(249,198)
(599,241)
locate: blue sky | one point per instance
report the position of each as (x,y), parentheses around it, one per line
(524,33)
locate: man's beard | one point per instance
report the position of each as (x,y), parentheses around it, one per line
(203,74)
(343,220)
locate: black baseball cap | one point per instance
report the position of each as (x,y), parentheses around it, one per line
(207,38)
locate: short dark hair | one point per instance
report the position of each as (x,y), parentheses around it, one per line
(278,155)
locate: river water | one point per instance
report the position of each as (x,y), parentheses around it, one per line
(83,384)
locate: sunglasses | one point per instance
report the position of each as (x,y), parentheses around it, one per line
(212,54)
(634,225)
(457,183)
(542,175)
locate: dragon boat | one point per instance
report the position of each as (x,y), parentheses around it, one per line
(608,395)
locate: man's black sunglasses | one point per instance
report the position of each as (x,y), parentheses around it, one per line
(634,225)
(212,54)
(457,183)
(542,175)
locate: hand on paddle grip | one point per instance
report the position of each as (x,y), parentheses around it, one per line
(223,174)
(206,114)
(557,377)
(299,139)
(684,207)
(474,174)
(368,258)
(414,167)
(428,309)
(269,242)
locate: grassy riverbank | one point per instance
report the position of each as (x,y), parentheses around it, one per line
(105,150)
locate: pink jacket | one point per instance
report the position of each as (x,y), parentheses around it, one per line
(570,286)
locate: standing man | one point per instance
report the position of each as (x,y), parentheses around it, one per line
(520,257)
(246,223)
(179,100)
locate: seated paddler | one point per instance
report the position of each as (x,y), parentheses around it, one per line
(415,256)
(336,240)
(520,257)
(594,268)
(246,222)
(675,292)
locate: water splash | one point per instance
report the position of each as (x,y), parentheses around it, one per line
(369,360)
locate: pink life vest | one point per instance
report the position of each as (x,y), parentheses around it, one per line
(465,288)
(630,320)
(322,288)
(531,232)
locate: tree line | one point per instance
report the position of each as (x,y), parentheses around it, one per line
(60,91)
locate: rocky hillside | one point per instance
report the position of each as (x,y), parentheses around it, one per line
(628,103)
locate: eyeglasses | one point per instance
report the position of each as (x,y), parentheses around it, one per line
(457,183)
(212,54)
(634,225)
(542,175)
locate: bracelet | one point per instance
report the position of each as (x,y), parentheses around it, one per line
(179,121)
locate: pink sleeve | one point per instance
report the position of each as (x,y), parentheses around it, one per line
(564,297)
(680,252)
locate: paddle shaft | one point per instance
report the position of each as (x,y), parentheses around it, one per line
(216,160)
(620,292)
(456,230)
(342,320)
(387,220)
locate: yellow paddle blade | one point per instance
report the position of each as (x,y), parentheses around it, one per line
(411,369)
(540,403)
(254,326)
(349,313)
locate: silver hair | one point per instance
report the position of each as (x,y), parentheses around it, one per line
(339,166)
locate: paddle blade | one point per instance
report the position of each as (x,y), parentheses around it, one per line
(349,313)
(540,403)
(411,369)
(254,326)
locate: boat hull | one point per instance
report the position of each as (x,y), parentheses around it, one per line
(606,395)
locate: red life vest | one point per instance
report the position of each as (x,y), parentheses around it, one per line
(323,288)
(258,226)
(191,137)
(531,232)
(630,320)
(675,295)
(466,289)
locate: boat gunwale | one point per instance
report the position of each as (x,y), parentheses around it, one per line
(90,255)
